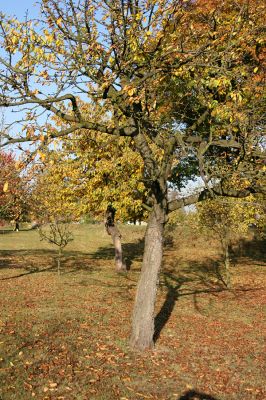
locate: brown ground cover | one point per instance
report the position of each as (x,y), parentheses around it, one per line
(65,337)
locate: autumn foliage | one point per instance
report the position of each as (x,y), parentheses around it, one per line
(180,81)
(13,193)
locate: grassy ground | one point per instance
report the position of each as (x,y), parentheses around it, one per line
(65,337)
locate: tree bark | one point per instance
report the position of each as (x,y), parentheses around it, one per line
(16,228)
(113,231)
(142,336)
(59,261)
(227,264)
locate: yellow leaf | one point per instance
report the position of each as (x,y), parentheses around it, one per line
(42,155)
(5,188)
(255,70)
(131,91)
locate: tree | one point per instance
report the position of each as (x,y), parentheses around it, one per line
(107,171)
(13,190)
(167,74)
(93,176)
(51,195)
(53,204)
(59,234)
(225,218)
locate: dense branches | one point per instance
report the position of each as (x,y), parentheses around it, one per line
(183,80)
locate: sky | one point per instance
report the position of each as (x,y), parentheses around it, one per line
(19,7)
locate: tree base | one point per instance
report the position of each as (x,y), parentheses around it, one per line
(140,345)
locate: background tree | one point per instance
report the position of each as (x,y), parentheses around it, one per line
(93,175)
(57,233)
(168,74)
(51,195)
(227,219)
(101,171)
(54,206)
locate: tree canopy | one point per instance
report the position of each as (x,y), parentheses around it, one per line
(184,77)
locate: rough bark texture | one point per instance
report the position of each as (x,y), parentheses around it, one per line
(143,314)
(113,231)
(227,264)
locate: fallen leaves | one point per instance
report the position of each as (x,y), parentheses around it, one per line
(65,347)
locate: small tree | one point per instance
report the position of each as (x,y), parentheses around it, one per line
(54,205)
(227,217)
(59,234)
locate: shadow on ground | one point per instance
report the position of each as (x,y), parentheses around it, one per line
(195,278)
(195,395)
(252,248)
(5,232)
(41,260)
(131,252)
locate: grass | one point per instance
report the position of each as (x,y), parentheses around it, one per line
(66,337)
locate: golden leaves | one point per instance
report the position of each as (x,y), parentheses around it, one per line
(59,21)
(41,155)
(5,187)
(130,90)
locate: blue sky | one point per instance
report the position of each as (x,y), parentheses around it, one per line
(19,7)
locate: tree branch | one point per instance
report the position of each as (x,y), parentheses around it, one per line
(205,194)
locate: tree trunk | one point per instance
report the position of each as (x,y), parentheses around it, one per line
(113,231)
(227,265)
(143,315)
(59,261)
(225,241)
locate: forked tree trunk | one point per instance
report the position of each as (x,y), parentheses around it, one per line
(143,314)
(113,231)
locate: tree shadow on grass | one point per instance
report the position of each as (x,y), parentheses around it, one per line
(42,260)
(12,230)
(5,231)
(131,252)
(253,248)
(173,285)
(195,395)
(193,280)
